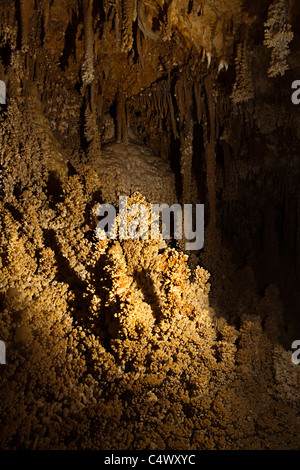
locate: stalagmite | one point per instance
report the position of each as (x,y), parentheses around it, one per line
(131,166)
(88,66)
(123,343)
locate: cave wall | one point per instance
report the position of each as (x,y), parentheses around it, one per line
(207,86)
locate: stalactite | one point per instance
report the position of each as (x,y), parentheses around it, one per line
(117,27)
(210,151)
(91,122)
(243,89)
(128,12)
(195,7)
(184,97)
(186,159)
(140,47)
(168,25)
(88,66)
(26,11)
(145,20)
(127,123)
(122,131)
(46,15)
(91,128)
(172,116)
(278,35)
(198,99)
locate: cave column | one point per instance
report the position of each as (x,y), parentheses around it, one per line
(210,155)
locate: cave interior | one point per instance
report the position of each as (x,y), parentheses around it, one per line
(185,101)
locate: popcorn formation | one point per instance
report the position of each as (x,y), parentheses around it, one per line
(136,345)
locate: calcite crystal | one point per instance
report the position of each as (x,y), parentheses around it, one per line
(127,167)
(136,344)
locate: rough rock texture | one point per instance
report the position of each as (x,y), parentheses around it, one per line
(125,344)
(127,167)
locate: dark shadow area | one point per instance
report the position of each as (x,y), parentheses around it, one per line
(70,42)
(14,212)
(54,189)
(5,54)
(67,275)
(18,19)
(261,230)
(145,284)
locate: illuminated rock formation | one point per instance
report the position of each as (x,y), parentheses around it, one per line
(130,344)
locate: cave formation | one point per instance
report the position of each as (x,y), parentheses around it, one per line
(138,344)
